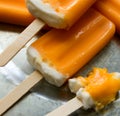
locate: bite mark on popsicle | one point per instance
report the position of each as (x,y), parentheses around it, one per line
(100,88)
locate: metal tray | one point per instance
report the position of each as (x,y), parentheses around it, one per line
(43,97)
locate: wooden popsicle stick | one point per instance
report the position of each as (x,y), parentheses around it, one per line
(67,108)
(20,42)
(19,91)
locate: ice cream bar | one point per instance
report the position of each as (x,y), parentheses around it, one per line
(55,13)
(96,90)
(61,53)
(15,12)
(59,13)
(110,9)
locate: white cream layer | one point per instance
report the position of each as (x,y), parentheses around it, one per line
(50,73)
(45,12)
(74,84)
(85,98)
(77,87)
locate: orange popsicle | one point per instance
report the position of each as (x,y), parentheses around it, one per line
(110,9)
(15,12)
(59,54)
(100,86)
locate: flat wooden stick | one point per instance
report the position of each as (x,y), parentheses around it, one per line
(67,108)
(20,42)
(19,91)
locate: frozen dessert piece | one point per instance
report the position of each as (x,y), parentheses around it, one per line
(96,90)
(61,53)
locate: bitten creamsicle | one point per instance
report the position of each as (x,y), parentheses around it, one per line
(96,90)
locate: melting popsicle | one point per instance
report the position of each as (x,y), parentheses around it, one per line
(15,12)
(60,53)
(66,14)
(96,91)
(110,9)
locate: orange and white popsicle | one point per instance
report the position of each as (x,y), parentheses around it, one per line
(110,9)
(60,53)
(66,14)
(96,91)
(15,12)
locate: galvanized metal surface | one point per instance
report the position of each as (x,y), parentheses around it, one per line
(44,97)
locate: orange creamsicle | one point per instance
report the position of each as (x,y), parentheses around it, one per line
(61,53)
(98,89)
(15,12)
(59,13)
(110,9)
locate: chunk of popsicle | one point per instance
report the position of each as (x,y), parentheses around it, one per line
(110,9)
(100,89)
(67,50)
(67,13)
(15,12)
(59,54)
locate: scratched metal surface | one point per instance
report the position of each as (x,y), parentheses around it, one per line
(44,97)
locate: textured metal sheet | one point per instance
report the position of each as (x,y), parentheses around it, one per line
(44,97)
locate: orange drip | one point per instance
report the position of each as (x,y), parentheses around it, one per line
(102,86)
(72,10)
(69,50)
(15,12)
(111,9)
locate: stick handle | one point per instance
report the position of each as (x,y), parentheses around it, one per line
(67,108)
(20,42)
(19,91)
